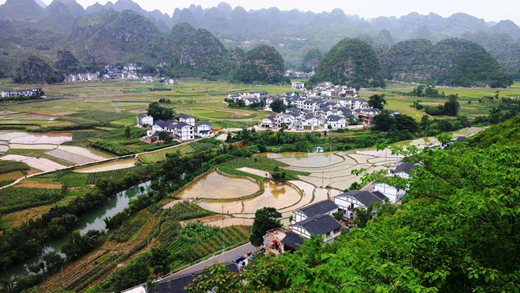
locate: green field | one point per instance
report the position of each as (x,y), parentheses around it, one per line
(401,103)
(160,156)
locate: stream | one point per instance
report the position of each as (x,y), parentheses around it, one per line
(92,220)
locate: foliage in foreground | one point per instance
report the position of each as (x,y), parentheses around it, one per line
(457,231)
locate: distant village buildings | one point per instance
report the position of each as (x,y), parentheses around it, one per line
(326,106)
(35,92)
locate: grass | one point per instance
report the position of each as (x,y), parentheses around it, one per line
(159,156)
(16,219)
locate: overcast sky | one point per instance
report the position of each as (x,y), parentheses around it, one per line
(488,10)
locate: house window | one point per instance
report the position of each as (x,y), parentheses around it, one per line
(336,231)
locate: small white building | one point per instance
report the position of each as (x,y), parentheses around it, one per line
(336,122)
(323,225)
(298,86)
(350,200)
(184,131)
(187,119)
(144,119)
(324,207)
(268,122)
(204,129)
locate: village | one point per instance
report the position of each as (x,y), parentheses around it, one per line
(325,107)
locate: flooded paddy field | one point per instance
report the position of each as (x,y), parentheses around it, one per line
(219,186)
(275,195)
(37,163)
(29,138)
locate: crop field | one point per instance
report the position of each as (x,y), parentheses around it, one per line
(71,157)
(468,99)
(16,219)
(10,166)
(114,174)
(18,198)
(159,156)
(83,135)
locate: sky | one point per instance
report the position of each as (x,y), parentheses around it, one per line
(488,10)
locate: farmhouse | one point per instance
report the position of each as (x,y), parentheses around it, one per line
(323,225)
(298,86)
(36,92)
(350,200)
(144,119)
(324,207)
(204,129)
(187,119)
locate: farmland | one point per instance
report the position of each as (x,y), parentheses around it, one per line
(113,174)
(159,156)
(19,198)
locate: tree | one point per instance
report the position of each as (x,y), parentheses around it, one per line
(495,115)
(278,106)
(452,106)
(265,220)
(128,134)
(165,136)
(377,101)
(160,260)
(158,112)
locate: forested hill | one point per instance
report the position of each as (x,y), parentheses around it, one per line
(451,62)
(351,62)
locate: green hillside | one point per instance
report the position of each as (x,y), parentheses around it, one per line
(351,62)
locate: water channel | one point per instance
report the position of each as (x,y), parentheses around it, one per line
(92,220)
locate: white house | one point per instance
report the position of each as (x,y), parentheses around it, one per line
(323,225)
(187,119)
(310,122)
(350,200)
(324,207)
(204,129)
(298,86)
(144,119)
(394,194)
(184,131)
(336,122)
(268,122)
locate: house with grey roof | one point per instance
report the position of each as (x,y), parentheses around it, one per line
(144,119)
(353,199)
(320,208)
(204,129)
(324,225)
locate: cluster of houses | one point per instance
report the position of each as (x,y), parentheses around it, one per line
(35,92)
(299,74)
(183,129)
(320,218)
(325,106)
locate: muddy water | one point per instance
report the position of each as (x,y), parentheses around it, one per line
(215,185)
(92,220)
(312,160)
(50,138)
(275,195)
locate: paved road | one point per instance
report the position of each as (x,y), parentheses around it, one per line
(228,256)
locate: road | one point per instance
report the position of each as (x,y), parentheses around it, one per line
(227,256)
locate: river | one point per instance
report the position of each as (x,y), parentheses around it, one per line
(92,220)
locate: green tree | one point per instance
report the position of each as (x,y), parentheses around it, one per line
(158,112)
(265,219)
(452,106)
(495,115)
(377,101)
(165,136)
(128,134)
(278,106)
(159,260)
